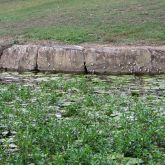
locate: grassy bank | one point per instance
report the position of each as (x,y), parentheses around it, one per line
(82,120)
(77,21)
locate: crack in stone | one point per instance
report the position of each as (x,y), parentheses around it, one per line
(36,63)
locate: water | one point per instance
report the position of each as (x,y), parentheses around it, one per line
(125,84)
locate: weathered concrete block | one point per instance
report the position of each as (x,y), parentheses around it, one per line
(119,60)
(19,57)
(64,59)
(158,60)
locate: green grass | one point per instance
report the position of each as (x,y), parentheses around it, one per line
(83,120)
(77,21)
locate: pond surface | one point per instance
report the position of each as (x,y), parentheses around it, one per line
(43,106)
(150,89)
(124,84)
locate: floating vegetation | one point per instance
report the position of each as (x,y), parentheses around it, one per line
(81,119)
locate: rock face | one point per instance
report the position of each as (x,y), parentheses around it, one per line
(124,60)
(61,59)
(19,57)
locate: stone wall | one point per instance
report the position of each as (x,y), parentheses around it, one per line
(77,59)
